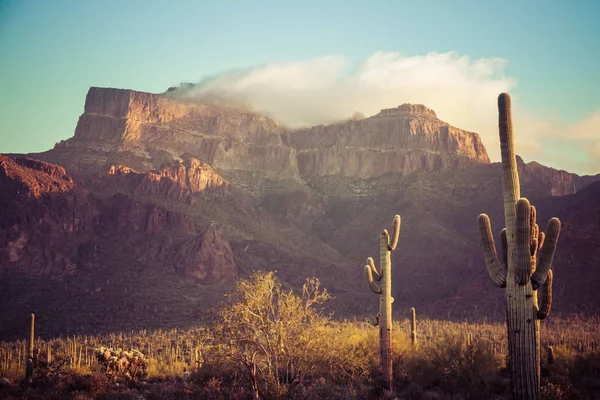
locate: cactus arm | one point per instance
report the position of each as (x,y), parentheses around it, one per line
(371,264)
(534,244)
(546,253)
(374,321)
(504,246)
(395,235)
(544,310)
(535,231)
(541,239)
(496,270)
(523,241)
(374,287)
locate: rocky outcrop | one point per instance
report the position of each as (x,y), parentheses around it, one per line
(399,140)
(549,181)
(117,121)
(131,219)
(47,222)
(44,218)
(207,258)
(31,178)
(179,180)
(151,129)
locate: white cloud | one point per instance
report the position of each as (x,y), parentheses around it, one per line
(462,91)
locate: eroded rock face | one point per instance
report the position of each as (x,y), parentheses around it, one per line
(118,120)
(549,181)
(47,223)
(401,140)
(152,129)
(127,218)
(178,180)
(207,258)
(31,178)
(44,218)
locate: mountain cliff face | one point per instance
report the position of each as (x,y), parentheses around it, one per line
(147,130)
(156,206)
(43,220)
(117,122)
(402,140)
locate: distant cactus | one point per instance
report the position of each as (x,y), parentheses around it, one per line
(520,273)
(31,337)
(413,327)
(384,319)
(29,362)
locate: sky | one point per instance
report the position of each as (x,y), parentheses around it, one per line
(310,62)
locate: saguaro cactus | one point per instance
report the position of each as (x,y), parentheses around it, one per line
(31,336)
(29,362)
(384,319)
(520,274)
(413,327)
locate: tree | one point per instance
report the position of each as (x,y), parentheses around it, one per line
(270,331)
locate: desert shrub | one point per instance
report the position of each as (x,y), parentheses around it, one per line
(451,367)
(132,365)
(551,391)
(270,335)
(581,376)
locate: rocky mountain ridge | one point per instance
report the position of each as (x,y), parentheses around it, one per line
(149,129)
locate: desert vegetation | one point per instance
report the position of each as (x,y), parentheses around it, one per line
(270,342)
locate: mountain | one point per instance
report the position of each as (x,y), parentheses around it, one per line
(156,205)
(146,130)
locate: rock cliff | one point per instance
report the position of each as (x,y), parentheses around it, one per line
(550,181)
(178,180)
(143,124)
(149,129)
(400,140)
(48,224)
(44,218)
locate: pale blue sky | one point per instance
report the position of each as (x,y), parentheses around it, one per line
(51,52)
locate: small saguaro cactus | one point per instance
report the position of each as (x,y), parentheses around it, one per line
(29,362)
(31,337)
(384,319)
(413,327)
(520,273)
(550,355)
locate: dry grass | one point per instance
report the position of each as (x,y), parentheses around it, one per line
(442,366)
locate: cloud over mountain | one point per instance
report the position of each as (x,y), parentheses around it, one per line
(463,92)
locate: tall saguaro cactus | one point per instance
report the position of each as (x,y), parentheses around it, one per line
(384,319)
(520,273)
